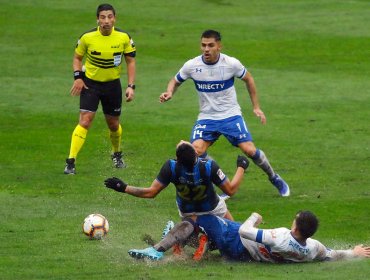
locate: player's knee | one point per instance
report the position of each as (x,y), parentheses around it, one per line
(113,128)
(200,148)
(249,149)
(85,123)
(113,124)
(86,119)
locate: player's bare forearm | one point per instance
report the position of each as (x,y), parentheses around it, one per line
(252,90)
(231,187)
(140,192)
(131,69)
(171,89)
(131,74)
(155,188)
(77,62)
(78,83)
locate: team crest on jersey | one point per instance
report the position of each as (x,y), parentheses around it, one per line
(220,174)
(117,59)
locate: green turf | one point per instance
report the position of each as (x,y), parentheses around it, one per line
(310,60)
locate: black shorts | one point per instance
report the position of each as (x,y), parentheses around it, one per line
(108,93)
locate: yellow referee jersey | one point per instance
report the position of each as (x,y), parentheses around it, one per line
(104,54)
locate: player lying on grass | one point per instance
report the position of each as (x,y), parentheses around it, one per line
(194,179)
(246,242)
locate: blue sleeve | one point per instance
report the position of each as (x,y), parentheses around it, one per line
(259,236)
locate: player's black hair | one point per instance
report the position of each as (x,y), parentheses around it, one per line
(186,156)
(104,7)
(212,34)
(306,223)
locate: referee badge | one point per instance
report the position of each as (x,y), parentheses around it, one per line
(117,59)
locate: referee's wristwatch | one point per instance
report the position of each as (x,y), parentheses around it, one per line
(131,86)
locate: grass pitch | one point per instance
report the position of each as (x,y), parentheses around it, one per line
(310,61)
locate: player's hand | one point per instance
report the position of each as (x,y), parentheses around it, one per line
(115,184)
(242,162)
(261,115)
(361,251)
(129,94)
(258,217)
(77,87)
(165,97)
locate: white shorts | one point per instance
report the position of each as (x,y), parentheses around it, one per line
(219,211)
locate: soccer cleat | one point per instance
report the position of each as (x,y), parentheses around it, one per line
(281,185)
(167,228)
(202,248)
(70,168)
(148,253)
(177,249)
(224,196)
(117,160)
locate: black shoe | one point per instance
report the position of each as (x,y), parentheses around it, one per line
(70,166)
(117,160)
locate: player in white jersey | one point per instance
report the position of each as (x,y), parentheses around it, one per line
(246,242)
(213,74)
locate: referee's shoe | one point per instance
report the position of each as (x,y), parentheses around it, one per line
(70,168)
(117,160)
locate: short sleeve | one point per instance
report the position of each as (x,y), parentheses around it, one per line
(165,174)
(217,175)
(129,46)
(184,72)
(81,46)
(239,69)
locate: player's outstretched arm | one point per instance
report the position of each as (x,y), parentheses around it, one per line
(120,186)
(358,251)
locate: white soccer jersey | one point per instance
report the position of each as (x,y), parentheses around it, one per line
(215,85)
(278,245)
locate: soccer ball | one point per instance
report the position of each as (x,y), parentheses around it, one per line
(95,226)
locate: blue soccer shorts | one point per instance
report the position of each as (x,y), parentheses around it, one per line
(234,129)
(224,236)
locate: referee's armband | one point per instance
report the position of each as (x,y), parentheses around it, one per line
(78,74)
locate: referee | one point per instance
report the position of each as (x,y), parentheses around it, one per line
(104,48)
